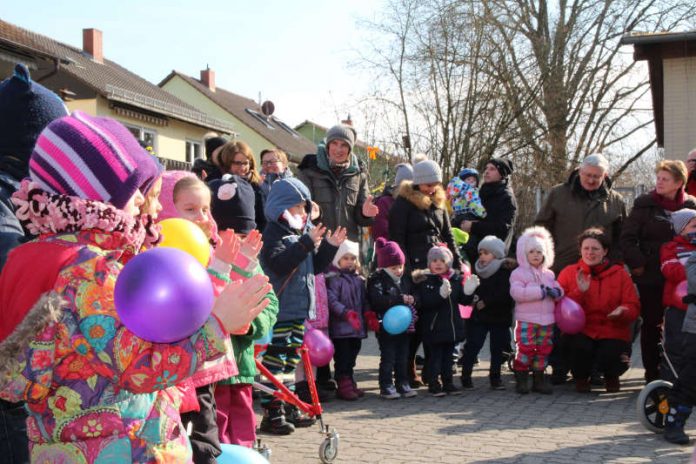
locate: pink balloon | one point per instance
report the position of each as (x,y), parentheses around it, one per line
(570,317)
(321,350)
(466,271)
(681,290)
(465,311)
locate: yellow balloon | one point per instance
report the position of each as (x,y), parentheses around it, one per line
(186,236)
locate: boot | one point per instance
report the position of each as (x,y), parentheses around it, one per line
(674,426)
(522,379)
(302,391)
(611,384)
(496,381)
(297,417)
(583,385)
(540,383)
(467,383)
(274,420)
(345,390)
(358,391)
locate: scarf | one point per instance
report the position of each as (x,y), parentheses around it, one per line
(666,203)
(395,278)
(489,269)
(43,213)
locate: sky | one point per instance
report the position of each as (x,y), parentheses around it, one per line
(299,54)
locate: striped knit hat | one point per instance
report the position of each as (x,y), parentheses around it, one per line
(90,157)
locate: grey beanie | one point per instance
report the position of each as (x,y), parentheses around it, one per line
(493,245)
(404,171)
(426,172)
(440,252)
(341,132)
(681,218)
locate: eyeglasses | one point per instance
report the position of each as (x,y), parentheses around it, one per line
(241,163)
(270,162)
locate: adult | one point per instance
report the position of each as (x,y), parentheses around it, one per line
(274,165)
(236,158)
(338,183)
(207,169)
(25,109)
(645,230)
(608,297)
(380,228)
(418,220)
(501,207)
(585,200)
(691,166)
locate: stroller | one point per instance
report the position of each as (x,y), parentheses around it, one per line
(328,449)
(652,406)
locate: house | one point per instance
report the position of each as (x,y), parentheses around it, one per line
(671,58)
(254,125)
(87,81)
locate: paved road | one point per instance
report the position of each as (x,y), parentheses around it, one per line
(484,426)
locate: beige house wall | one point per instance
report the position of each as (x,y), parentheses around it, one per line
(679,106)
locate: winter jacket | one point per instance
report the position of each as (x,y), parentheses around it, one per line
(380,227)
(690,317)
(609,289)
(494,291)
(646,229)
(384,293)
(440,319)
(673,256)
(11,232)
(569,210)
(288,256)
(691,184)
(259,201)
(339,198)
(417,222)
(95,392)
(269,180)
(243,345)
(346,292)
(501,212)
(526,282)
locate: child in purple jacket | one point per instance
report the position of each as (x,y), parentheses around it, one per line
(347,304)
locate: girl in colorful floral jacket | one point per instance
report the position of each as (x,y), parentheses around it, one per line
(95,392)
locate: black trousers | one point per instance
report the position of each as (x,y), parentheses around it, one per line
(439,362)
(205,439)
(684,391)
(393,359)
(345,354)
(14,444)
(673,338)
(652,312)
(609,355)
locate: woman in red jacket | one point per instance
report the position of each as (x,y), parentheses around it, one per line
(606,293)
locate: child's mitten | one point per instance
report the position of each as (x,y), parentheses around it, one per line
(445,288)
(353,319)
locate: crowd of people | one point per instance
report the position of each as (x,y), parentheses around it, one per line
(82,197)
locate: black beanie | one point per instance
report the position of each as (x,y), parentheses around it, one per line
(212,144)
(503,165)
(233,203)
(26,108)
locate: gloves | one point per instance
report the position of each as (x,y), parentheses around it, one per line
(471,284)
(371,321)
(445,288)
(353,319)
(552,292)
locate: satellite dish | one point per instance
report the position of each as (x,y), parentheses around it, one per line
(267,108)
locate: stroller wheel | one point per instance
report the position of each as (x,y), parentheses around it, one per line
(652,406)
(327,451)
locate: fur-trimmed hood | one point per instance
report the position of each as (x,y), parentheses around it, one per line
(420,200)
(509,263)
(532,237)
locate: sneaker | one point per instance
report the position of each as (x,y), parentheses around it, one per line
(451,389)
(416,382)
(436,390)
(389,393)
(497,383)
(407,392)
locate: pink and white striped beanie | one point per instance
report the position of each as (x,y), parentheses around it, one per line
(89,157)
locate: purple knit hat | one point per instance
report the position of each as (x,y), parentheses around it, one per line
(92,158)
(388,253)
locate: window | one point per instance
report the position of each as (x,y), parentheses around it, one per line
(285,127)
(147,136)
(193,151)
(259,117)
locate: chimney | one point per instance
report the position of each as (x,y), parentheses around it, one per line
(208,78)
(92,44)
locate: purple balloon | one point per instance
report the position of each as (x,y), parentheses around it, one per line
(163,295)
(321,350)
(570,317)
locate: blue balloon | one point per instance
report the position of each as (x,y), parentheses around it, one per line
(397,319)
(235,454)
(266,339)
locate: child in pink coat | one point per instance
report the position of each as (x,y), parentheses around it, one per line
(534,288)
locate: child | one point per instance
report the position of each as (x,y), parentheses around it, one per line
(492,311)
(293,251)
(385,289)
(438,292)
(345,288)
(534,288)
(95,392)
(463,193)
(683,396)
(673,256)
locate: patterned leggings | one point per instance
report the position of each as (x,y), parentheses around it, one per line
(281,356)
(534,344)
